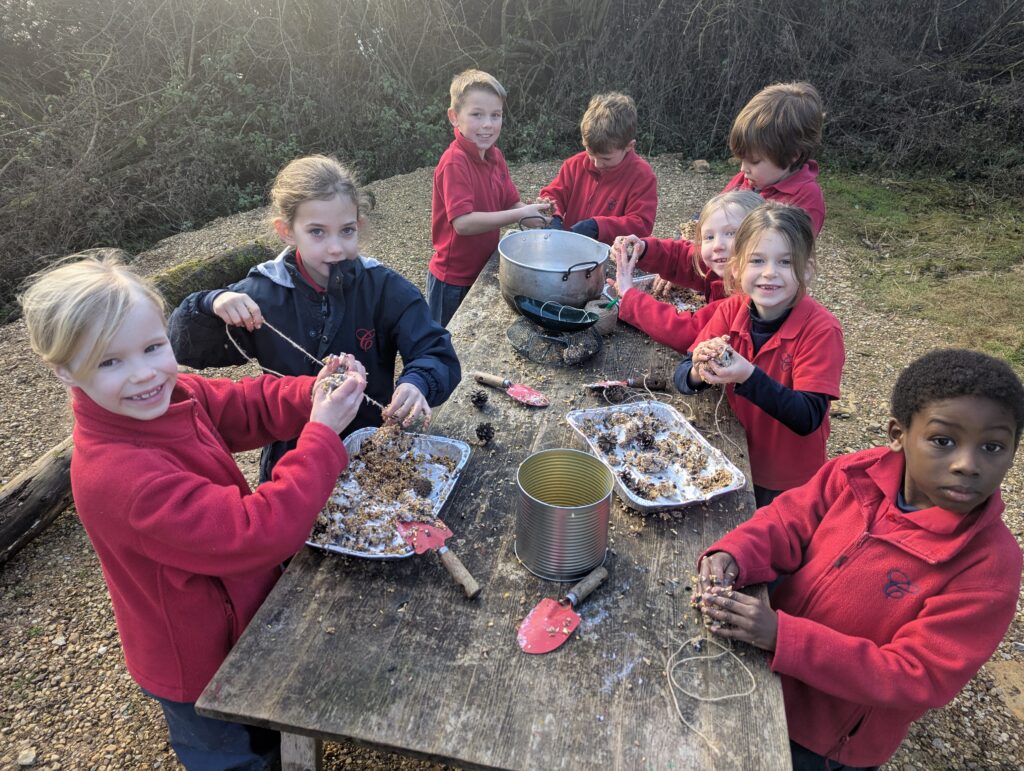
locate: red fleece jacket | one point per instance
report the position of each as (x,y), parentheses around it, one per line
(622,200)
(465,183)
(884,614)
(672,259)
(188,551)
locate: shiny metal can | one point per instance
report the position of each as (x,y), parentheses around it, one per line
(564,502)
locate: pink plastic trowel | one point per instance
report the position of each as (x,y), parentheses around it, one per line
(424,537)
(550,623)
(523,394)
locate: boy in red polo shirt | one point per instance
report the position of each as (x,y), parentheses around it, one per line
(900,576)
(774,137)
(778,352)
(473,195)
(607,190)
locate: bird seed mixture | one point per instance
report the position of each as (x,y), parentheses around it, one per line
(387,481)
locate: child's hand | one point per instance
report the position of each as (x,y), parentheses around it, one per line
(720,370)
(336,407)
(535,214)
(717,569)
(408,406)
(626,250)
(715,362)
(712,348)
(741,617)
(238,310)
(549,203)
(626,246)
(661,287)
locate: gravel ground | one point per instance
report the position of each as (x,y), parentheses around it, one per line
(66,700)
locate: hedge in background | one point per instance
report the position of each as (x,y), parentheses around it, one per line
(122,121)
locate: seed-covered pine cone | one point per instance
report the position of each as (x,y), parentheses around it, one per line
(422,486)
(638,486)
(645,439)
(478,398)
(606,443)
(485,433)
(616,394)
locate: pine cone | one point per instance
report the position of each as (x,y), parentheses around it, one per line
(422,486)
(606,443)
(638,486)
(485,433)
(478,398)
(616,394)
(645,439)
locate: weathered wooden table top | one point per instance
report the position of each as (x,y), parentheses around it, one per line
(390,654)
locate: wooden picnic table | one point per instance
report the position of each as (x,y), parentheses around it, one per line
(391,655)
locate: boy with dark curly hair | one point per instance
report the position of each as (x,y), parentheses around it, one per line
(901,577)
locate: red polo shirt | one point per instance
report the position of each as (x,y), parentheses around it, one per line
(806,354)
(464,183)
(800,189)
(623,199)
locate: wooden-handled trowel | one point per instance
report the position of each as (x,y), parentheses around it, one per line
(550,623)
(521,393)
(424,537)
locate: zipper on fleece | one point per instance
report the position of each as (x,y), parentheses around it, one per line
(826,578)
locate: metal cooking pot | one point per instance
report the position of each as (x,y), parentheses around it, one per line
(551,266)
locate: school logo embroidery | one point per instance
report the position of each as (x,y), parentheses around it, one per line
(787,362)
(611,203)
(365,338)
(898,585)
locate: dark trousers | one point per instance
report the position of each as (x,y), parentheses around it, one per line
(444,299)
(805,760)
(207,744)
(763,496)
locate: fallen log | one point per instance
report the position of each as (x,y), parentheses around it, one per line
(34,498)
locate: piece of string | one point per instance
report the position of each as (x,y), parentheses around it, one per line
(718,428)
(294,345)
(675,661)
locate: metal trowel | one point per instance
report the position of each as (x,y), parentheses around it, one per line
(550,623)
(424,537)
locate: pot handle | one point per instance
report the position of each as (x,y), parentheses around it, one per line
(531,217)
(592,263)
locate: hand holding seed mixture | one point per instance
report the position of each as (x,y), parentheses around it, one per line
(717,363)
(739,616)
(626,250)
(338,392)
(408,406)
(717,569)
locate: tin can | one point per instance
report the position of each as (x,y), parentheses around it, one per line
(562,513)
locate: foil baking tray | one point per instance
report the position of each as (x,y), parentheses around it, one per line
(427,449)
(675,440)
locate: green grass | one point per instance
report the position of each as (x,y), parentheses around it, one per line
(945,252)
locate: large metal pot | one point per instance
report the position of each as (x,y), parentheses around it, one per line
(551,266)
